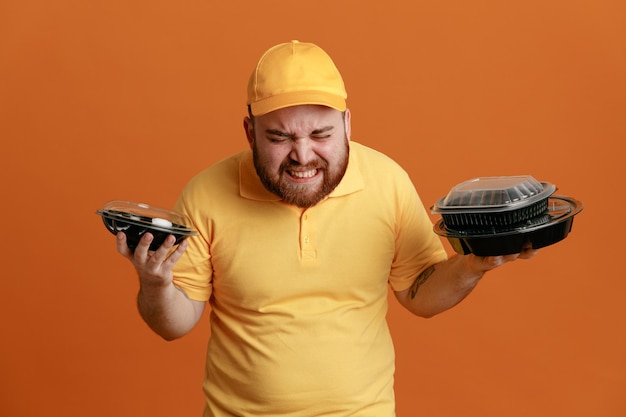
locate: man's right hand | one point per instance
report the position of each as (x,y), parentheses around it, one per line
(163,306)
(153,267)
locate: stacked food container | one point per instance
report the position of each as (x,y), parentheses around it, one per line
(491,216)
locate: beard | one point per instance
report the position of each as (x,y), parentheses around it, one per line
(301,195)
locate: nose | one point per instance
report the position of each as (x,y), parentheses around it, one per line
(302,151)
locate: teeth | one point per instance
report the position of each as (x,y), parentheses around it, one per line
(303,174)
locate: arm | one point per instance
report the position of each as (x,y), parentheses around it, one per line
(164,307)
(444,285)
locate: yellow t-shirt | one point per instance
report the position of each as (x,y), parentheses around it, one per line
(299,296)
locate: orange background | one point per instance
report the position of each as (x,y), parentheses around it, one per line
(104,100)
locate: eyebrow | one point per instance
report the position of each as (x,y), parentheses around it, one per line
(280,133)
(277,133)
(322,130)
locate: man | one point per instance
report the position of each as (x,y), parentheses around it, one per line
(299,238)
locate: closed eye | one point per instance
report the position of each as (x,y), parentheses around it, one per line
(277,136)
(320,137)
(323,133)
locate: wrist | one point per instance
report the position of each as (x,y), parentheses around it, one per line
(472,267)
(154,289)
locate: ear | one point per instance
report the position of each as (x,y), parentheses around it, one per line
(347,116)
(248,126)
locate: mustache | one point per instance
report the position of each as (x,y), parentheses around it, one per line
(290,164)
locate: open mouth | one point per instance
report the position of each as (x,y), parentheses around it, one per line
(302,175)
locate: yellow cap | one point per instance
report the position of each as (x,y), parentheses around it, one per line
(295,73)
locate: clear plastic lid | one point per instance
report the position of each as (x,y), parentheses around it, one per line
(494,194)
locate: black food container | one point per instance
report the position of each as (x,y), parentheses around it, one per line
(492,216)
(135,219)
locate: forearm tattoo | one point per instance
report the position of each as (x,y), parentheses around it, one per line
(421,279)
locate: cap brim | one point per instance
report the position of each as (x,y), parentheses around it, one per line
(299,98)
